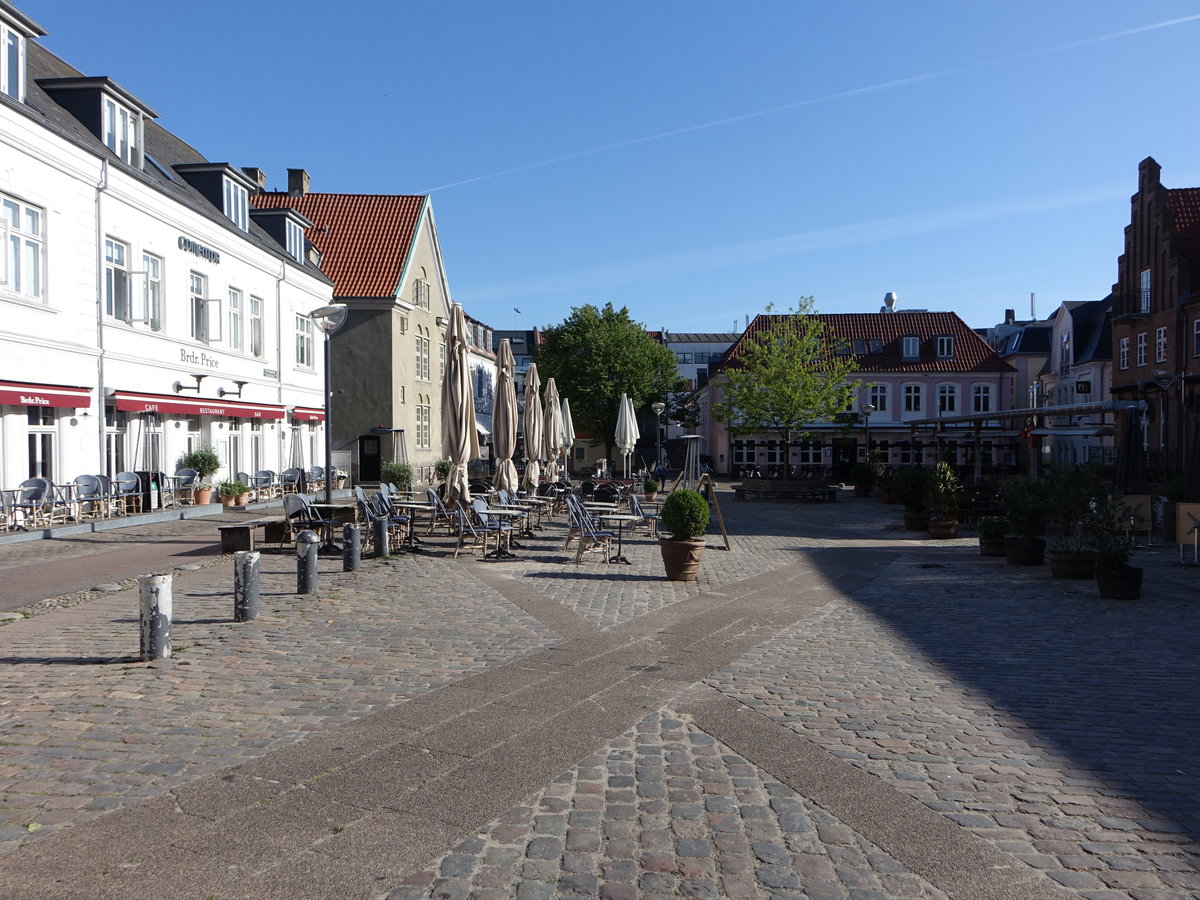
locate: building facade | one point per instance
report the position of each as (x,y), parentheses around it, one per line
(146,312)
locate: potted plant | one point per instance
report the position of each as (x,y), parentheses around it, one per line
(205,462)
(339,479)
(1116,579)
(441,470)
(941,500)
(909,489)
(1070,493)
(650,489)
(399,474)
(863,476)
(233,493)
(885,477)
(992,530)
(1025,508)
(685,516)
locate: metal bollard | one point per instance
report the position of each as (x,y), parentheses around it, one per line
(379,533)
(245,585)
(351,547)
(155,596)
(306,562)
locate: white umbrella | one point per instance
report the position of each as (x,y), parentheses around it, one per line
(460,439)
(552,427)
(504,420)
(633,427)
(624,437)
(533,428)
(568,427)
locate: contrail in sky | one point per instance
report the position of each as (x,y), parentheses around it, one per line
(841,95)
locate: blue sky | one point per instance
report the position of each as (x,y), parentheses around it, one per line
(695,160)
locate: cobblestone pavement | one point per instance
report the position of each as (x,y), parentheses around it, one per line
(665,811)
(85,727)
(1060,727)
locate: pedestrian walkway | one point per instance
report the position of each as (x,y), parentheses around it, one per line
(837,708)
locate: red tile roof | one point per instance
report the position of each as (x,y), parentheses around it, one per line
(365,239)
(971,352)
(1184,204)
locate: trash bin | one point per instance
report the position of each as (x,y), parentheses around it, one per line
(151,490)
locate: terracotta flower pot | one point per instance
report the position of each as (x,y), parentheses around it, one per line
(943,530)
(202,495)
(991,547)
(649,496)
(681,559)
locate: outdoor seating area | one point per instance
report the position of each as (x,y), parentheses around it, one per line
(785,491)
(39,503)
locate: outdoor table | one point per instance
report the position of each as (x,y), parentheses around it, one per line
(514,509)
(413,506)
(507,513)
(620,519)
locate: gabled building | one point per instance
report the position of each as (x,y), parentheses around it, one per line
(1156,316)
(1077,374)
(145,311)
(382,253)
(913,366)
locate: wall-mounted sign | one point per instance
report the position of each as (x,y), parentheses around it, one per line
(1083,387)
(198,249)
(198,359)
(270,373)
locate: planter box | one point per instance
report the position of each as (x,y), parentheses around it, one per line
(1120,584)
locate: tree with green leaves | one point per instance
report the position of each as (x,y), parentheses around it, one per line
(596,354)
(784,376)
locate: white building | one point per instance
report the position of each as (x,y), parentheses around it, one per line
(146,309)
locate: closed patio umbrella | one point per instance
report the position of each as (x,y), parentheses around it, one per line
(504,420)
(568,428)
(1131,476)
(552,427)
(635,432)
(624,437)
(1192,489)
(534,449)
(460,440)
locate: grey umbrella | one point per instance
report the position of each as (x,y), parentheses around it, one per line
(534,450)
(552,428)
(504,419)
(1130,476)
(460,438)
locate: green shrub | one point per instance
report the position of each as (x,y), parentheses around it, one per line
(993,528)
(1025,504)
(441,470)
(232,488)
(1109,535)
(399,474)
(685,514)
(941,493)
(203,459)
(650,485)
(908,487)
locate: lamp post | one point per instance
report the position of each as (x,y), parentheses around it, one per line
(867,409)
(658,406)
(329,319)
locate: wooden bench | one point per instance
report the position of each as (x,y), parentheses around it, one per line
(241,536)
(785,491)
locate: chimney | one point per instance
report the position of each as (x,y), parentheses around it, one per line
(258,176)
(889,302)
(298,182)
(1010,316)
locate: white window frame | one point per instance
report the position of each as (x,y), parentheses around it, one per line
(22,228)
(294,240)
(152,306)
(202,318)
(236,313)
(981,398)
(877,396)
(945,346)
(305,343)
(421,293)
(1123,352)
(424,415)
(118,300)
(257,329)
(42,442)
(947,395)
(1160,344)
(237,204)
(12,69)
(122,131)
(1141,348)
(1144,289)
(914,398)
(910,347)
(422,373)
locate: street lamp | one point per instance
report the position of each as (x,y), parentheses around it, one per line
(329,318)
(867,409)
(658,406)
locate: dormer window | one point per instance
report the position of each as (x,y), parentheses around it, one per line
(945,347)
(12,76)
(910,347)
(237,204)
(295,240)
(123,132)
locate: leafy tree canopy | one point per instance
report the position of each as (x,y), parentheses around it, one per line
(595,355)
(786,375)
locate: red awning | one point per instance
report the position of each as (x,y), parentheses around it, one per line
(308,414)
(18,393)
(195,406)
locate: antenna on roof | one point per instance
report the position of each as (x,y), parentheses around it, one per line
(1033,306)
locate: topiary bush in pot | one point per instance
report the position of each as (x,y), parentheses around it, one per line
(685,515)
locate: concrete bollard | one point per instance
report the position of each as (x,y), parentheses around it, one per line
(155,596)
(245,585)
(379,533)
(306,562)
(351,547)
